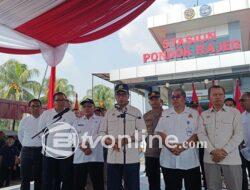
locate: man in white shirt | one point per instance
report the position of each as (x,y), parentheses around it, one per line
(221,129)
(123,157)
(31,157)
(178,160)
(88,160)
(56,170)
(245,104)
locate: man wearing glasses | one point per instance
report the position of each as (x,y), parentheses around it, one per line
(123,157)
(31,157)
(88,160)
(57,172)
(178,130)
(245,104)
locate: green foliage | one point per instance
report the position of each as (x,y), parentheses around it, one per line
(62,85)
(16,81)
(103,96)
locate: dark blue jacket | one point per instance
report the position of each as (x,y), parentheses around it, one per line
(8,155)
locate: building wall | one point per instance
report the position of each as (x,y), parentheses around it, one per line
(218,7)
(245,84)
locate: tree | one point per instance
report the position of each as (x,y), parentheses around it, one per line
(16,81)
(62,85)
(103,96)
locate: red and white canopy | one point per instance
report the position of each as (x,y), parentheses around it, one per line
(28,27)
(48,26)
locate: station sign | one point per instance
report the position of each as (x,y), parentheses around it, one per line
(192,47)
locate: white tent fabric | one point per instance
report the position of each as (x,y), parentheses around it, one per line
(47,26)
(53,56)
(12,38)
(14,13)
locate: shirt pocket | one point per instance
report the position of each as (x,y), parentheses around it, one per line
(112,125)
(130,126)
(208,123)
(227,122)
(169,125)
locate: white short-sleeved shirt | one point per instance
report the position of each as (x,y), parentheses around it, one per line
(246,128)
(183,126)
(47,118)
(28,127)
(91,127)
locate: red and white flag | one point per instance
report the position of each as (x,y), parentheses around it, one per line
(237,95)
(195,99)
(76,106)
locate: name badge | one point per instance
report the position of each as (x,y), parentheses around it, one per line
(189,130)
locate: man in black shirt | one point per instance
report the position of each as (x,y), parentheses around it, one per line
(9,155)
(2,139)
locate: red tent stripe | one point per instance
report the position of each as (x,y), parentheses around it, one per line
(18,51)
(119,11)
(116,26)
(69,21)
(77,21)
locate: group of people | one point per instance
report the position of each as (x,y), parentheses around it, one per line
(209,143)
(173,139)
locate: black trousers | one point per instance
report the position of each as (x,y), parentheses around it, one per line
(245,167)
(57,174)
(201,158)
(31,167)
(173,178)
(5,176)
(120,175)
(153,172)
(95,171)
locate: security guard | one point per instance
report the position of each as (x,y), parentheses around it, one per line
(88,160)
(153,150)
(123,154)
(179,158)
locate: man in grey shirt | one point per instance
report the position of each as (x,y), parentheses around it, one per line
(221,129)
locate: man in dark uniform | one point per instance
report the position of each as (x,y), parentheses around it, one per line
(8,156)
(2,139)
(152,154)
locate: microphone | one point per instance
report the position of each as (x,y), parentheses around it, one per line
(123,115)
(119,108)
(61,113)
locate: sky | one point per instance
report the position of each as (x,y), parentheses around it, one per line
(121,49)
